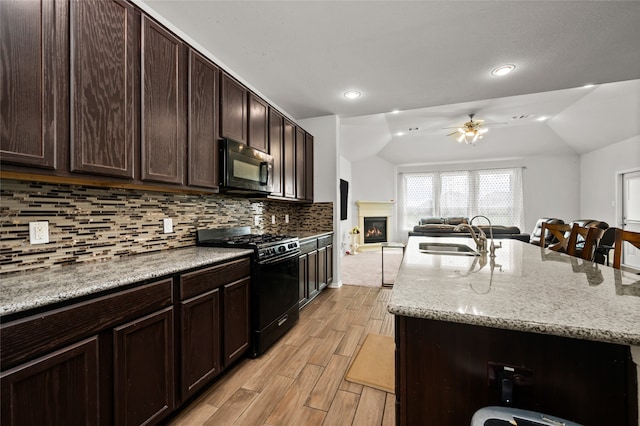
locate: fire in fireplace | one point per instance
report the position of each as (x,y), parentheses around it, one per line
(375,230)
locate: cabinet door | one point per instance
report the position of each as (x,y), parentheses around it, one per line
(308,167)
(60,388)
(312,273)
(289,159)
(143,369)
(276,149)
(258,123)
(203,121)
(329,264)
(236,320)
(163,106)
(233,110)
(300,164)
(33,75)
(200,341)
(104,121)
(302,279)
(322,268)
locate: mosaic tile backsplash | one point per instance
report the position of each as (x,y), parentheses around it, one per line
(91,224)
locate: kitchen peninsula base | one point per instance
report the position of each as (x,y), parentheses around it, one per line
(446,371)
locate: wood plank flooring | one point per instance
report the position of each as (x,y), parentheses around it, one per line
(300,380)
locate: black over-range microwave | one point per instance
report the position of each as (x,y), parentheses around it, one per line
(244,170)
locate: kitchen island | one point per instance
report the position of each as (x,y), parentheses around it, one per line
(542,330)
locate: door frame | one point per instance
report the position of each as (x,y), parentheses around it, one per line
(619,196)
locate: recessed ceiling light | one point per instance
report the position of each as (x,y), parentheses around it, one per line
(503,69)
(352,94)
(400,134)
(542,118)
(586,86)
(395,111)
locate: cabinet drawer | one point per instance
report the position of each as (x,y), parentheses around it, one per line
(39,334)
(325,241)
(307,246)
(203,280)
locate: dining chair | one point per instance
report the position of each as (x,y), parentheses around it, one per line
(584,247)
(559,233)
(621,236)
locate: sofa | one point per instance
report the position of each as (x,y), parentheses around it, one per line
(444,227)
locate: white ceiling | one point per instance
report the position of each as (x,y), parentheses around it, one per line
(432,60)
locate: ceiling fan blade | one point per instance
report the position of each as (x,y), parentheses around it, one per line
(452,133)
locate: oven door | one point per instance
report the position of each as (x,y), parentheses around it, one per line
(244,169)
(275,299)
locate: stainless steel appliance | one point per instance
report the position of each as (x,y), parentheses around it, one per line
(244,170)
(274,280)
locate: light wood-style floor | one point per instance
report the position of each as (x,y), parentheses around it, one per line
(300,380)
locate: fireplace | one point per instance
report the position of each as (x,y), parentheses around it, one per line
(375,230)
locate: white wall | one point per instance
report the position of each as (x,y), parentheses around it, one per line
(598,171)
(326,180)
(374,179)
(551,185)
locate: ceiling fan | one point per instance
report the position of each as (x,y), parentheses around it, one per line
(471,131)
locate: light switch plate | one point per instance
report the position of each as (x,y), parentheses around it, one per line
(168,225)
(286,218)
(273,219)
(39,232)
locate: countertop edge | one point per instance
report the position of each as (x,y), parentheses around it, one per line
(517,325)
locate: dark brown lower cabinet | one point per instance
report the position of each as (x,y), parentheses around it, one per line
(143,369)
(200,341)
(447,371)
(236,320)
(58,388)
(315,266)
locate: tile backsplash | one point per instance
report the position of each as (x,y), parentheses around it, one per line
(90,224)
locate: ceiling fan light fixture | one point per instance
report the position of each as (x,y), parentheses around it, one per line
(503,70)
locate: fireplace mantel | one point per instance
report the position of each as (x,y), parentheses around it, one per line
(376,209)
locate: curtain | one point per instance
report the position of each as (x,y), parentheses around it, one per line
(495,193)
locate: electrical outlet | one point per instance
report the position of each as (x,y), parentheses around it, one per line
(286,218)
(38,232)
(168,225)
(273,219)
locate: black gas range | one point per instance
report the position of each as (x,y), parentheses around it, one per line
(274,279)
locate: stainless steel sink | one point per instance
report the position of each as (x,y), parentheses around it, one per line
(447,248)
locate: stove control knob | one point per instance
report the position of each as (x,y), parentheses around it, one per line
(281,249)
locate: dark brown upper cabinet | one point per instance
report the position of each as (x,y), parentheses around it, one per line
(233,109)
(104,87)
(203,122)
(308,167)
(163,105)
(300,164)
(289,156)
(34,96)
(258,123)
(276,149)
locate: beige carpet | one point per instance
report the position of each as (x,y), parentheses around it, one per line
(374,365)
(365,269)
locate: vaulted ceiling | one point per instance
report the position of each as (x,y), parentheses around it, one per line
(432,60)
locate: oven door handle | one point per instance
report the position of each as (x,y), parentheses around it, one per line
(283,258)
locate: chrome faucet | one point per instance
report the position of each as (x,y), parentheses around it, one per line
(481,238)
(492,247)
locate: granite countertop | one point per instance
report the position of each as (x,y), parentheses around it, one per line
(524,288)
(310,234)
(23,291)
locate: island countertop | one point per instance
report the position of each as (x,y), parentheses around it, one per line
(525,288)
(24,291)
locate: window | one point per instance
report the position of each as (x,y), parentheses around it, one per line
(496,194)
